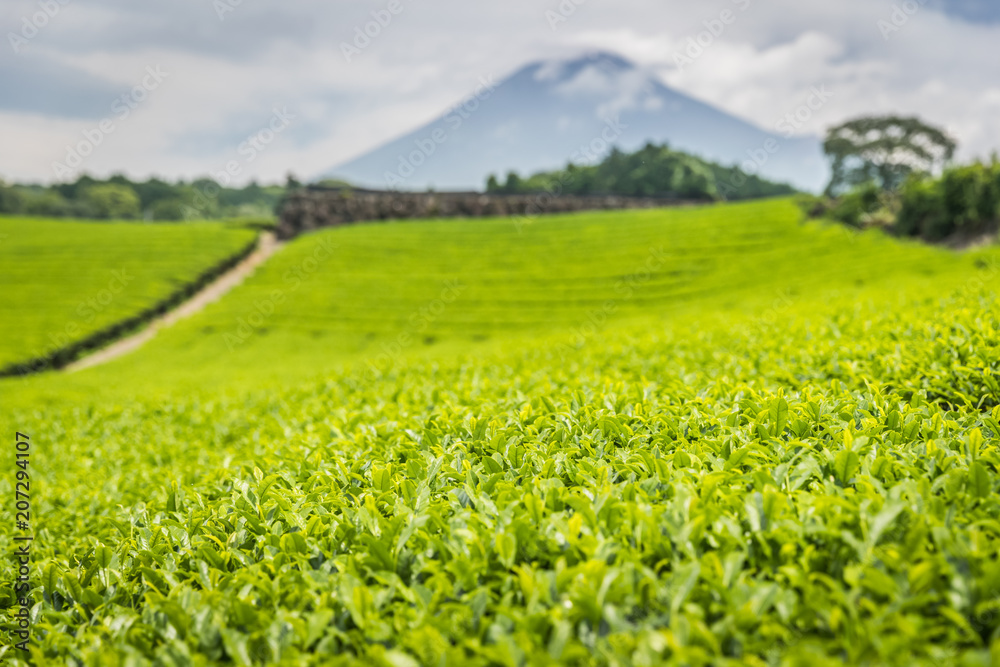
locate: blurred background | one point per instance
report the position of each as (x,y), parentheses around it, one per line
(250,93)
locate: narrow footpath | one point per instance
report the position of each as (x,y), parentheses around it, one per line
(212,292)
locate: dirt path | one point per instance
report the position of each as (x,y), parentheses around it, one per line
(267,246)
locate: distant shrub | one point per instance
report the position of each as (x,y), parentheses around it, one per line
(971,195)
(965,199)
(922,211)
(864,206)
(812,205)
(49,203)
(113,202)
(11,199)
(167,209)
(854,207)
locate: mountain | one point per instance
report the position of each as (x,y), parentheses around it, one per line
(551,112)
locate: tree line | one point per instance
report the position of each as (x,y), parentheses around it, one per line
(652,171)
(887,171)
(119,198)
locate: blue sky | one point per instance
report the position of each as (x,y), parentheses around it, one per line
(972,10)
(66,64)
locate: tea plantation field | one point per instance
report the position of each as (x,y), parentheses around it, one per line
(64,281)
(773,443)
(371,296)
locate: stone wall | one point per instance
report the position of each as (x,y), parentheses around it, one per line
(312,208)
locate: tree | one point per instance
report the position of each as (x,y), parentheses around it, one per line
(154,191)
(652,171)
(118,202)
(49,203)
(884,150)
(167,209)
(75,189)
(11,200)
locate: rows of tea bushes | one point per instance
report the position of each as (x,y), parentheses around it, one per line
(64,281)
(382,293)
(781,448)
(811,491)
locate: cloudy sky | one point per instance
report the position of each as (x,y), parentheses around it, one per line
(176,87)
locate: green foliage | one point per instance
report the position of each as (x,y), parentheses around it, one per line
(963,200)
(112,202)
(884,150)
(378,293)
(51,204)
(776,451)
(333,183)
(960,205)
(922,211)
(167,209)
(733,184)
(864,206)
(66,280)
(154,199)
(154,191)
(854,207)
(653,171)
(11,199)
(972,195)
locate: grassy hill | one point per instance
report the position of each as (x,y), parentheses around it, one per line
(64,281)
(778,446)
(369,295)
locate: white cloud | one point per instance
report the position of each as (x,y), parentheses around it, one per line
(225,76)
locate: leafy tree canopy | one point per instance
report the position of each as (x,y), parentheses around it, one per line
(113,201)
(884,150)
(153,199)
(652,171)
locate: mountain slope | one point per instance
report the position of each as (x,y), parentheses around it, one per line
(550,112)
